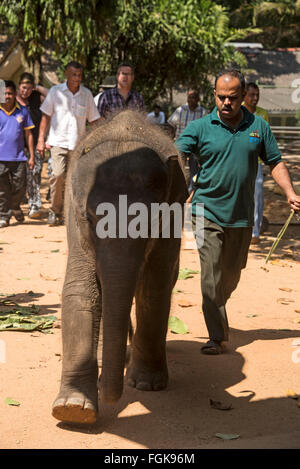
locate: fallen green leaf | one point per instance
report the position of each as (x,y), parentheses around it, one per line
(10,401)
(187,273)
(177,326)
(225,436)
(54,250)
(175,290)
(25,318)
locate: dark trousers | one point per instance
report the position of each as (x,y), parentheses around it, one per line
(12,186)
(191,168)
(194,168)
(222,257)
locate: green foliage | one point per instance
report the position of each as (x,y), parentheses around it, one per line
(71,26)
(275,24)
(171,44)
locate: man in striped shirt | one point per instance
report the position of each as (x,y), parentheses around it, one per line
(178,121)
(122,96)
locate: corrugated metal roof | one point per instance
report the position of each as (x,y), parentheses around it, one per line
(275,73)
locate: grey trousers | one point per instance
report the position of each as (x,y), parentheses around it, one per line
(222,257)
(12,186)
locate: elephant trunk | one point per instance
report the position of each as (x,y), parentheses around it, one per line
(118,277)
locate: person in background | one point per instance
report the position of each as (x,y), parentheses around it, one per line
(228,142)
(15,122)
(31,97)
(122,96)
(157,116)
(66,110)
(96,98)
(250,102)
(178,121)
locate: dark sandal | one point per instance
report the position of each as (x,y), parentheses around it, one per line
(19,215)
(212,348)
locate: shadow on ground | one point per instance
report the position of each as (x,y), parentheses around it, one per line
(288,248)
(181,416)
(10,301)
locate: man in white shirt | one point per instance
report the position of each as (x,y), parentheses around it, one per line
(157,116)
(96,98)
(66,109)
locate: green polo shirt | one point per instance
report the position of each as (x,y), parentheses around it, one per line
(228,159)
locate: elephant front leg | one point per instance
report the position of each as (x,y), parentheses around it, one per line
(147,368)
(77,400)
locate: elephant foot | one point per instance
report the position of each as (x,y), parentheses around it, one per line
(74,409)
(144,378)
(77,404)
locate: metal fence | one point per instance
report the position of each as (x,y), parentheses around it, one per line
(288,138)
(286,133)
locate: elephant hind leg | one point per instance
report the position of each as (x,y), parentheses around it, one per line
(147,369)
(142,377)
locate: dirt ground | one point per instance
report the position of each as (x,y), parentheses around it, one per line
(261,364)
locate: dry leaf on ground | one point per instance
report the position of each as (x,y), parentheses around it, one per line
(219,406)
(290,393)
(184,303)
(280,263)
(46,277)
(285,301)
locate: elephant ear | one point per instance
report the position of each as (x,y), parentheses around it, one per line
(178,191)
(82,180)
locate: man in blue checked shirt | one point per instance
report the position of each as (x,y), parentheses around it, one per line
(122,96)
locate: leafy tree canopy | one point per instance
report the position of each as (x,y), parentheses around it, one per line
(182,42)
(279,22)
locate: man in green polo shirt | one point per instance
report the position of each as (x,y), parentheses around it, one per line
(227,143)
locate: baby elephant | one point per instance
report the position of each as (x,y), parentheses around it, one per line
(123,167)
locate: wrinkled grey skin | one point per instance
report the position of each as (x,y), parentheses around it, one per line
(123,156)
